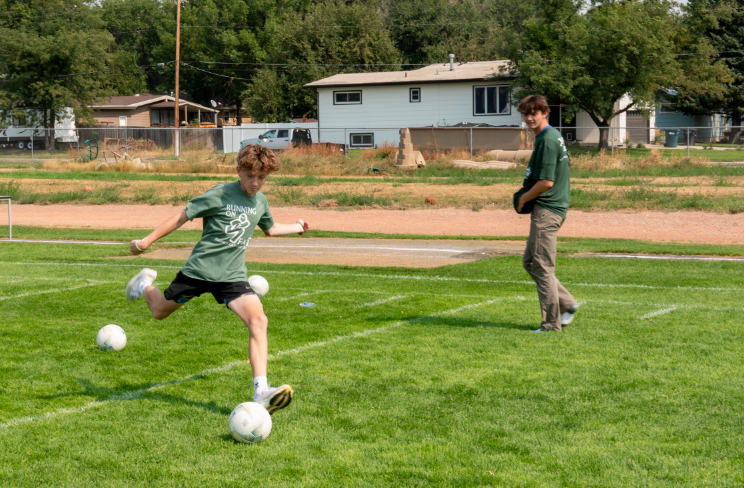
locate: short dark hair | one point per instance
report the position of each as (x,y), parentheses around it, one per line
(533,103)
(257,159)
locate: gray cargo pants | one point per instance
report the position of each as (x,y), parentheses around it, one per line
(539,261)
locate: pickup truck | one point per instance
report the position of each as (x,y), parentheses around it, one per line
(278,139)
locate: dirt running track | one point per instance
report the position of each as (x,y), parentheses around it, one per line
(658,226)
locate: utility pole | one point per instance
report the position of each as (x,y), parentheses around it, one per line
(177,135)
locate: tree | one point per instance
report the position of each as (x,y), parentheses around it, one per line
(427,31)
(57,54)
(137,27)
(720,27)
(330,37)
(589,57)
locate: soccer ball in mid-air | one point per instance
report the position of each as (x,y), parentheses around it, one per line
(249,422)
(111,338)
(259,285)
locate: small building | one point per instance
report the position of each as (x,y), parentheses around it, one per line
(148,110)
(368,109)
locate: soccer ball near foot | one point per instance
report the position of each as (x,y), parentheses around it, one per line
(249,422)
(111,338)
(259,285)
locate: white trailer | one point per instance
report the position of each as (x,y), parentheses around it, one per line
(20,134)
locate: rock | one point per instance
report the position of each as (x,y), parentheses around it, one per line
(87,189)
(331,202)
(430,200)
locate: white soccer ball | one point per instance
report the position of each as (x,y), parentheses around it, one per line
(259,285)
(249,422)
(111,338)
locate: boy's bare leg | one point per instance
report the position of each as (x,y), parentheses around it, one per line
(159,306)
(250,310)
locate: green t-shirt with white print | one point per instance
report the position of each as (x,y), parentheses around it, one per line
(229,219)
(550,161)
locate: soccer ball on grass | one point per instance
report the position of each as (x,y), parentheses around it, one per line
(249,422)
(111,338)
(259,285)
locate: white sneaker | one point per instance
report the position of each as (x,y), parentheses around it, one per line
(568,315)
(274,399)
(136,285)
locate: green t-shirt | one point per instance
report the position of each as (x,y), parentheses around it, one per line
(229,219)
(550,161)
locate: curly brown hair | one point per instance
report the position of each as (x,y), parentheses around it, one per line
(256,159)
(533,103)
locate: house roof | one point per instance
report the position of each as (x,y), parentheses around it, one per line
(135,101)
(132,101)
(172,104)
(434,73)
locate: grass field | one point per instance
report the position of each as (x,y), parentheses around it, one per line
(402,377)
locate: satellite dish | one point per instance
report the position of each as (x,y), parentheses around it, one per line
(214,104)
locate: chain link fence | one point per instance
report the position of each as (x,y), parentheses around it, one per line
(111,145)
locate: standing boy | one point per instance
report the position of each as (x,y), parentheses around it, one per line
(217,263)
(548,188)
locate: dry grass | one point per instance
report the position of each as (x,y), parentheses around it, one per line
(605,161)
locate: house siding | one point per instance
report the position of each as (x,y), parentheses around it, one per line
(139,117)
(386,109)
(674,120)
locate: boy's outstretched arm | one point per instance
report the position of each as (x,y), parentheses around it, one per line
(284,229)
(173,223)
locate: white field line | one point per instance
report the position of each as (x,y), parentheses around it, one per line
(34,278)
(42,292)
(659,312)
(409,277)
(131,395)
(381,301)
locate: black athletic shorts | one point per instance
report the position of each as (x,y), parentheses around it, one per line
(184,288)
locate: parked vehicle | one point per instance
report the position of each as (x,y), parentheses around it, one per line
(20,134)
(278,139)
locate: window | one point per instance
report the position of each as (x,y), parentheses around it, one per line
(19,121)
(226,116)
(491,100)
(362,140)
(122,121)
(268,135)
(347,97)
(162,118)
(668,108)
(414,95)
(283,134)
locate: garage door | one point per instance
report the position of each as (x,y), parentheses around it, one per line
(637,126)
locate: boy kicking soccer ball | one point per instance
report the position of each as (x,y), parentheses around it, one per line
(217,263)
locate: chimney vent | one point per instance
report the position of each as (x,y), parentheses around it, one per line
(452,62)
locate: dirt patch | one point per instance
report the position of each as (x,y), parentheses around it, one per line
(683,226)
(364,252)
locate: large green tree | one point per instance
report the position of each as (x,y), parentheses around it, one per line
(56,54)
(719,27)
(330,37)
(589,56)
(426,31)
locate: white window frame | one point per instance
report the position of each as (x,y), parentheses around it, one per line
(362,134)
(335,102)
(668,104)
(410,95)
(485,92)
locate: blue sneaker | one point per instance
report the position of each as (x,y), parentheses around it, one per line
(538,330)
